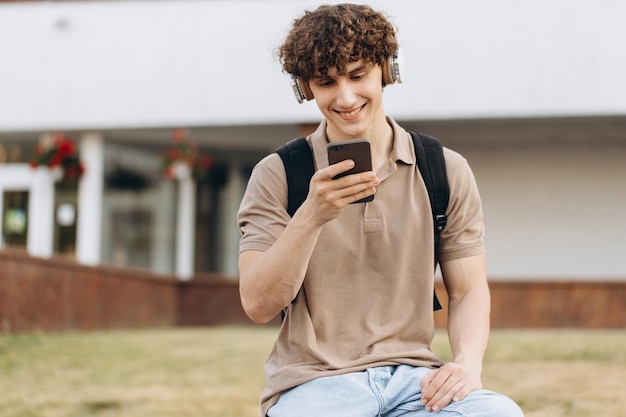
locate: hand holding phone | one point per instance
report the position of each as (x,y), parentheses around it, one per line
(356,149)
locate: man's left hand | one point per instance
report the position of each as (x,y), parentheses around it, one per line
(451,382)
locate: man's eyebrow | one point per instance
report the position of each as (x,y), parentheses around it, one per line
(360,68)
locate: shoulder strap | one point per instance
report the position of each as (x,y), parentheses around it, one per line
(298,161)
(432,166)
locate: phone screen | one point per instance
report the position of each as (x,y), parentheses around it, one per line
(356,149)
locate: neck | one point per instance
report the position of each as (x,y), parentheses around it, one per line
(381,142)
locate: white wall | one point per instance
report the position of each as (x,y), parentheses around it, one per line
(553,211)
(169,63)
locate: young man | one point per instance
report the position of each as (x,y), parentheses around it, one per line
(357,279)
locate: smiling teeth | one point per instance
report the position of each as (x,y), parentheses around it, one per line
(352,113)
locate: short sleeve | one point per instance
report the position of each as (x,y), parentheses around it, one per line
(464,233)
(262,215)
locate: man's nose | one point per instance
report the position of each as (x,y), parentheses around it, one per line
(345,94)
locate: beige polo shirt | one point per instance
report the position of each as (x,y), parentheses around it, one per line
(367,298)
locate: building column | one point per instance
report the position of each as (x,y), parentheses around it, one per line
(228,253)
(41,214)
(90,195)
(185,228)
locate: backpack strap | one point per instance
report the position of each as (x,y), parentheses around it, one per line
(298,161)
(432,166)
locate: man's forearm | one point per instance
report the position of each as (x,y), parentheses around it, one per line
(468,327)
(270,280)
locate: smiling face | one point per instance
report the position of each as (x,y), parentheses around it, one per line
(351,102)
(338,52)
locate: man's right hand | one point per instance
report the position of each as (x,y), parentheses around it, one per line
(328,197)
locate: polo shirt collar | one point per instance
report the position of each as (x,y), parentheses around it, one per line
(401,150)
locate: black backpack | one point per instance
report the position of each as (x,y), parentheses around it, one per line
(298,160)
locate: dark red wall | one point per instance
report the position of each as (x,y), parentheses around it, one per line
(574,304)
(58,294)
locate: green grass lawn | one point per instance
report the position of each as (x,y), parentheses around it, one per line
(218,372)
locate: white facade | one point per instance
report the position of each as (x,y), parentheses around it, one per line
(129,72)
(172,63)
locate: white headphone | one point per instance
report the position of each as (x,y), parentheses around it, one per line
(392,73)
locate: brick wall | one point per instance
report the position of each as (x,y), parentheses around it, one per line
(573,304)
(209,300)
(58,294)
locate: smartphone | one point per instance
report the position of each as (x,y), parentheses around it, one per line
(356,149)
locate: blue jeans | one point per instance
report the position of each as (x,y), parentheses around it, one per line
(387,391)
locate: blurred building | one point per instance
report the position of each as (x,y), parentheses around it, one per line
(533,94)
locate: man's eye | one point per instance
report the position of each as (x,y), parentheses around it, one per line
(326,83)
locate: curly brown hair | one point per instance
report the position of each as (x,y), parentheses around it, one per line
(333,36)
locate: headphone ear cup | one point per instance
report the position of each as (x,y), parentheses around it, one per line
(308,94)
(394,68)
(301,90)
(386,67)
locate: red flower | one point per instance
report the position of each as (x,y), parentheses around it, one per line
(185,153)
(66,148)
(57,159)
(56,150)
